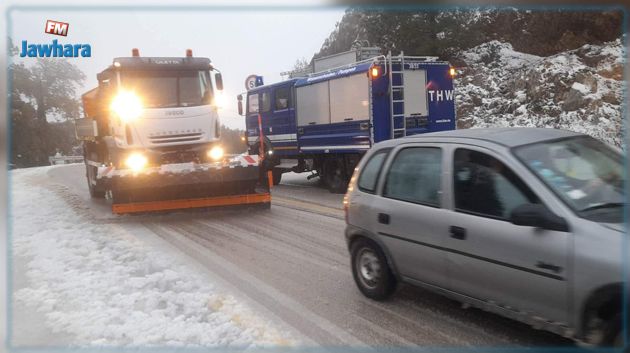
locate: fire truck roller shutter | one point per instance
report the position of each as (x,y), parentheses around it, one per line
(415,86)
(349,99)
(313,103)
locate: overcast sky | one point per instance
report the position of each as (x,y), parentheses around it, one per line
(239,42)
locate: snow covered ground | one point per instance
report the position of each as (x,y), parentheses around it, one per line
(105,284)
(578,90)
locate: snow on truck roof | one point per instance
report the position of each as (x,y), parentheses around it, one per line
(509,137)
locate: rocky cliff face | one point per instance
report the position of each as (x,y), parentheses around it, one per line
(578,90)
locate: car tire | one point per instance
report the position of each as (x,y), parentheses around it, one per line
(613,333)
(370,270)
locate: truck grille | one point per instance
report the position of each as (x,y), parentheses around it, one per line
(162,139)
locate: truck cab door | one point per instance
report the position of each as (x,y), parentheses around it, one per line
(280,122)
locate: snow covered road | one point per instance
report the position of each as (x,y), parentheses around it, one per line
(109,284)
(226,278)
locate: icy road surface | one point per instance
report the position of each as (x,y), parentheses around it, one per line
(83,276)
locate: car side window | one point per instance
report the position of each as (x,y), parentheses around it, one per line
(485,186)
(415,176)
(369,174)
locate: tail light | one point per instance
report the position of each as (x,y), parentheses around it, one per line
(345,207)
(375,72)
(346,197)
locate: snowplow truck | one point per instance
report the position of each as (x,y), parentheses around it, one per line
(151,139)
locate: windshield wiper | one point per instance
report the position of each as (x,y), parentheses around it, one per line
(603,205)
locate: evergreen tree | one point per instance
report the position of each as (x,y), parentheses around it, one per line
(43,105)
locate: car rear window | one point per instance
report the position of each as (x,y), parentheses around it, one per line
(415,176)
(369,175)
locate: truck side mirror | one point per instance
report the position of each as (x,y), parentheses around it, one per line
(219,80)
(240,104)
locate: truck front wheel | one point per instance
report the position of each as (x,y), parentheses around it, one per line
(90,173)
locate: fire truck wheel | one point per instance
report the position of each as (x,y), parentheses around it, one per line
(334,177)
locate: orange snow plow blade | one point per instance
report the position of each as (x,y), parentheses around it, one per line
(153,206)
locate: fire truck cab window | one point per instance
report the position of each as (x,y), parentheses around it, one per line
(282,98)
(252,103)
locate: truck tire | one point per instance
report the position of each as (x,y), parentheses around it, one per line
(90,174)
(277,176)
(370,270)
(335,177)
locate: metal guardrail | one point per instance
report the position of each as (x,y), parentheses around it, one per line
(54,160)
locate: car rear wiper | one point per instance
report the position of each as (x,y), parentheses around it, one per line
(603,205)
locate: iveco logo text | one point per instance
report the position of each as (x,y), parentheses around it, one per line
(440,95)
(174,112)
(55,49)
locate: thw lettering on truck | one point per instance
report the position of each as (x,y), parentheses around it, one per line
(440,95)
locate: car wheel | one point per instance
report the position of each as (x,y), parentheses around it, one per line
(371,271)
(613,333)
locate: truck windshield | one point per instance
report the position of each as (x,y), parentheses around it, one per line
(165,89)
(587,174)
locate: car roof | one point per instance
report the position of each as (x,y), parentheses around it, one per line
(508,137)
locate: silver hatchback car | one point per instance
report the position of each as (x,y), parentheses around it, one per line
(526,223)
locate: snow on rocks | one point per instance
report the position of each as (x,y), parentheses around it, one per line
(577,90)
(103,286)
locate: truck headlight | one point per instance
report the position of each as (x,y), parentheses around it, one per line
(136,162)
(127,106)
(216,153)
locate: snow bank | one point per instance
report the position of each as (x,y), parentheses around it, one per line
(578,90)
(105,287)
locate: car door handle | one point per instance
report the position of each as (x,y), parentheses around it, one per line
(548,266)
(383,218)
(458,233)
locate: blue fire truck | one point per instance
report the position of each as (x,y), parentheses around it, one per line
(324,121)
